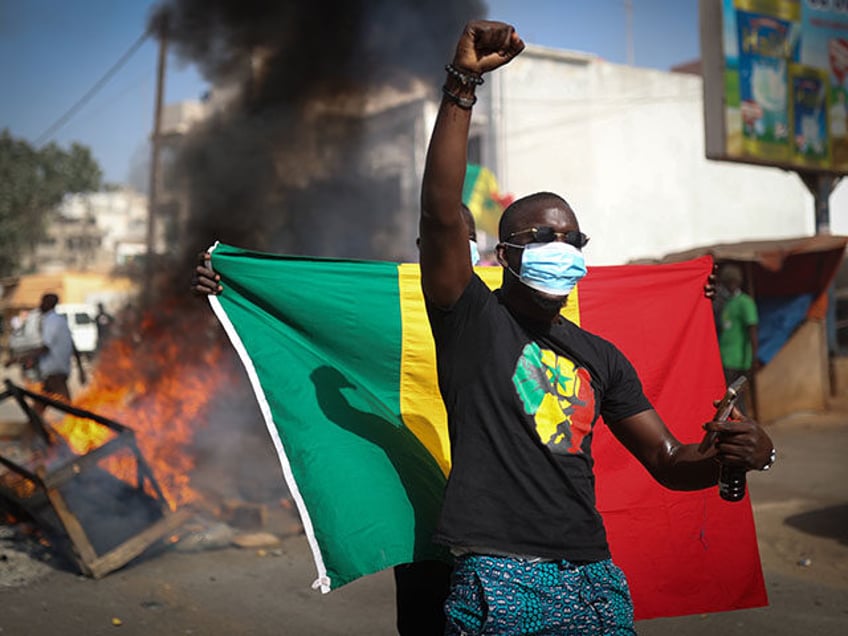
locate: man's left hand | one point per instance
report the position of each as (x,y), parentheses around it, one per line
(741,441)
(205,280)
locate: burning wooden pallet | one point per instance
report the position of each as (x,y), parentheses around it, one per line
(100,520)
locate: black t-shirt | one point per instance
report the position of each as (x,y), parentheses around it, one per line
(522,403)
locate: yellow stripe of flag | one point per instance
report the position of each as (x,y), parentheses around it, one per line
(420,401)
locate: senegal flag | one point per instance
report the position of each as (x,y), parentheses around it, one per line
(340,357)
(480,194)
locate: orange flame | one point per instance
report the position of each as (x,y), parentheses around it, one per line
(156,379)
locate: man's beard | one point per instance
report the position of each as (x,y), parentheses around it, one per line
(549,304)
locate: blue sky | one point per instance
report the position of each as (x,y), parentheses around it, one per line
(54,51)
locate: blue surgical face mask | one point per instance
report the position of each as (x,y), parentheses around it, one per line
(475,254)
(553,268)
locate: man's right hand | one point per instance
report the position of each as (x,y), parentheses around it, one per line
(204,282)
(485,45)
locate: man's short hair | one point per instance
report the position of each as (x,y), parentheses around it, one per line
(49,301)
(505,226)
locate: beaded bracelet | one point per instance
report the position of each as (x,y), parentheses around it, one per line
(463,102)
(465,78)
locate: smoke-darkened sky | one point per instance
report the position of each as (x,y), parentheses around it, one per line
(262,169)
(310,46)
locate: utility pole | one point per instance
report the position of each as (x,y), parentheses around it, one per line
(628,16)
(160,30)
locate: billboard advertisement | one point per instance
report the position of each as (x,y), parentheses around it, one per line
(776,82)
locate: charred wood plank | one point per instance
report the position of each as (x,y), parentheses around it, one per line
(130,549)
(35,419)
(70,469)
(83,549)
(67,408)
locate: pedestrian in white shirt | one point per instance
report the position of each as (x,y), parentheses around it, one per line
(54,356)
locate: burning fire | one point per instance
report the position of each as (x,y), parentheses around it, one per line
(156,378)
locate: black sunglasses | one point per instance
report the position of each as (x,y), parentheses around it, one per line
(546,234)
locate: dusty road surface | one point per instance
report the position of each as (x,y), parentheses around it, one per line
(801,511)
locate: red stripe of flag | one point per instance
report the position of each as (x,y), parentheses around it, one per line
(683,553)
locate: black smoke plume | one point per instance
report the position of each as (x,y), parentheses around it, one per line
(287,164)
(281,167)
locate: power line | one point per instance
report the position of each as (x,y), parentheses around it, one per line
(92,91)
(140,80)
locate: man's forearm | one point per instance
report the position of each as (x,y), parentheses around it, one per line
(741,443)
(689,469)
(444,171)
(483,46)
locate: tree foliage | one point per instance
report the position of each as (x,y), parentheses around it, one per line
(33,181)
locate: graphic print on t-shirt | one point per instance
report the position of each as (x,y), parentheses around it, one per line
(558,395)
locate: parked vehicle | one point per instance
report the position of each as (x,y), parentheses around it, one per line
(81,319)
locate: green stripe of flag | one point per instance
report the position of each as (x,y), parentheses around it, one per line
(324,359)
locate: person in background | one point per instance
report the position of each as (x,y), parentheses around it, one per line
(519,513)
(738,327)
(719,297)
(53,356)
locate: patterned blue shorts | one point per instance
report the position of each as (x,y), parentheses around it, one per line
(502,595)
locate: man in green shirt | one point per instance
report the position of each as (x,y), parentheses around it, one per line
(737,337)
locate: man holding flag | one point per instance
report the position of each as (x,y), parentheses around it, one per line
(353,386)
(519,509)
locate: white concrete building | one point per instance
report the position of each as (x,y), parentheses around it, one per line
(625,147)
(96,231)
